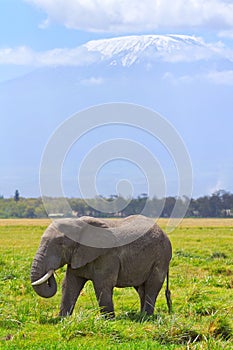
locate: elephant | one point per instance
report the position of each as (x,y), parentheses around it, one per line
(129,252)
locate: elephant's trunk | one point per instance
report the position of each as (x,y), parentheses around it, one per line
(44,289)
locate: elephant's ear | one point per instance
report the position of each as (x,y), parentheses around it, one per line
(83,255)
(87,231)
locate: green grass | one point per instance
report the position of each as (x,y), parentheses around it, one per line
(202,291)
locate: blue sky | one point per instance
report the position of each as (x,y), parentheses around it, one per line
(41,51)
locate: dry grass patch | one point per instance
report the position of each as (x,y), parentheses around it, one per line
(187,222)
(201,222)
(25,222)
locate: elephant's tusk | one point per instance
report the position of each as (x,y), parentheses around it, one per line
(44,278)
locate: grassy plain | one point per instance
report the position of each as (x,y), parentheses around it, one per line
(201,284)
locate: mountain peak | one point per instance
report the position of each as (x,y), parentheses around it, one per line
(128,50)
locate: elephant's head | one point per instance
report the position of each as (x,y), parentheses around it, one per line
(65,242)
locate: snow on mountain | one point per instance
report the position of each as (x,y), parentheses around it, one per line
(134,49)
(122,51)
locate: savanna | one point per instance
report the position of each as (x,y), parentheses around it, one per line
(201,283)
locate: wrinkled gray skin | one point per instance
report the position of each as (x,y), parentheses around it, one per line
(143,263)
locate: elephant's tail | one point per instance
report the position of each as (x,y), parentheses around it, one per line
(168,294)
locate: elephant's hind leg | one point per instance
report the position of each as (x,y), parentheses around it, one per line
(141,292)
(152,288)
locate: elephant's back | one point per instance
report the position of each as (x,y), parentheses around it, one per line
(137,259)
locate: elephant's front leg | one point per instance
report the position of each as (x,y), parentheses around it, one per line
(71,288)
(104,296)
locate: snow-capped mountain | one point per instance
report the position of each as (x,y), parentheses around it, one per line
(135,49)
(186,79)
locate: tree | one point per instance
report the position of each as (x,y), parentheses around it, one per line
(16,196)
(30,212)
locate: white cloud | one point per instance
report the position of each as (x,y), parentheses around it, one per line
(226,34)
(20,56)
(173,79)
(92,81)
(192,53)
(56,57)
(136,15)
(224,77)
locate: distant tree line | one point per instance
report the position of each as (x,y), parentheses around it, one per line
(219,204)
